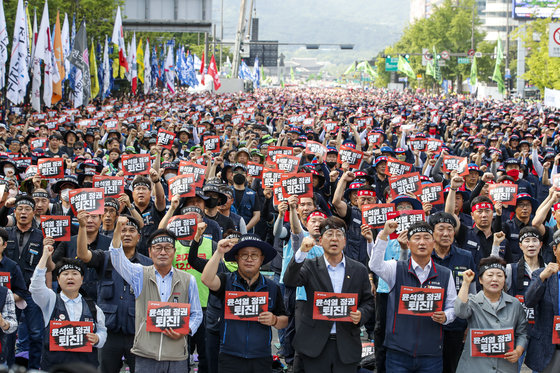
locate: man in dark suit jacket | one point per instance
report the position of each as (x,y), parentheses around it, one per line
(328,346)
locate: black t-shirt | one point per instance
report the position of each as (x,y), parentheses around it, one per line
(279,309)
(223,221)
(239,196)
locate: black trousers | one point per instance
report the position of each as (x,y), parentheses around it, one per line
(199,340)
(235,364)
(328,361)
(212,350)
(452,349)
(379,332)
(117,346)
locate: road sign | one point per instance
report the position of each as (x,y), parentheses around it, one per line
(391,63)
(470,53)
(554,40)
(464,60)
(426,56)
(441,63)
(478,54)
(445,55)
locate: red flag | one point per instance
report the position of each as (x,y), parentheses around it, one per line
(213,71)
(202,63)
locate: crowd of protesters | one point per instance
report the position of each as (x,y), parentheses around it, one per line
(459,270)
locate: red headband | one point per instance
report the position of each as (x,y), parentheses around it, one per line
(368,193)
(482,205)
(317,213)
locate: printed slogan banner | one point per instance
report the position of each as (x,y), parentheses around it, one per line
(38,143)
(211,144)
(70,336)
(491,343)
(313,147)
(418,143)
(255,169)
(182,186)
(556,330)
(299,184)
(165,138)
(375,139)
(375,215)
(57,227)
(199,171)
(453,163)
(136,164)
(334,306)
(273,151)
(368,349)
(271,176)
(396,167)
(420,301)
(87,199)
(5,278)
(431,193)
(403,184)
(287,163)
(350,155)
(51,168)
(113,186)
(183,226)
(503,192)
(529,311)
(405,219)
(245,305)
(168,315)
(433,145)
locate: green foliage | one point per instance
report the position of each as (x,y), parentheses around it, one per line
(448,28)
(542,70)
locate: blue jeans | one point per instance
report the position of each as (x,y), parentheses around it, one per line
(30,333)
(399,362)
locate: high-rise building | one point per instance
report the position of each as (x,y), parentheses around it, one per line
(497,18)
(420,9)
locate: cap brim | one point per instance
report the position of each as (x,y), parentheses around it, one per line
(268,251)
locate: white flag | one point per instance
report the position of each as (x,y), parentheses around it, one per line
(133,65)
(3,46)
(36,85)
(128,73)
(78,94)
(65,36)
(44,51)
(170,71)
(34,35)
(18,78)
(118,39)
(147,69)
(106,70)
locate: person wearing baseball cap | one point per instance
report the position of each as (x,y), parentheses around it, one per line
(154,351)
(406,349)
(326,345)
(549,209)
(68,305)
(245,345)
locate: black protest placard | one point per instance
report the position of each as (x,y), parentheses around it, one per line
(273,151)
(183,226)
(111,124)
(22,162)
(51,168)
(503,192)
(431,193)
(199,171)
(70,336)
(113,186)
(434,145)
(418,143)
(211,144)
(313,147)
(278,194)
(453,163)
(375,138)
(405,218)
(168,315)
(556,330)
(403,184)
(165,138)
(271,176)
(255,169)
(245,305)
(136,164)
(334,306)
(57,227)
(182,186)
(368,349)
(529,311)
(287,163)
(491,343)
(375,215)
(418,301)
(5,279)
(396,167)
(352,156)
(52,125)
(87,199)
(297,184)
(38,143)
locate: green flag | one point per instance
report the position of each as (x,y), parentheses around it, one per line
(292,73)
(497,76)
(404,67)
(365,67)
(282,83)
(350,69)
(437,69)
(430,70)
(474,72)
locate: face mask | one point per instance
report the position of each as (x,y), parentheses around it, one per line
(432,131)
(514,174)
(212,202)
(239,179)
(168,177)
(65,195)
(331,164)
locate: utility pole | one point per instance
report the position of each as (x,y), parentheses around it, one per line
(472,26)
(507,73)
(238,36)
(221,31)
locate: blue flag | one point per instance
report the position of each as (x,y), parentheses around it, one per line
(191,72)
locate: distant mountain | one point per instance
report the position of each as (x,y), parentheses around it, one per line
(369,24)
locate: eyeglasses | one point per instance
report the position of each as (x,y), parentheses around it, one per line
(167,249)
(332,233)
(253,257)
